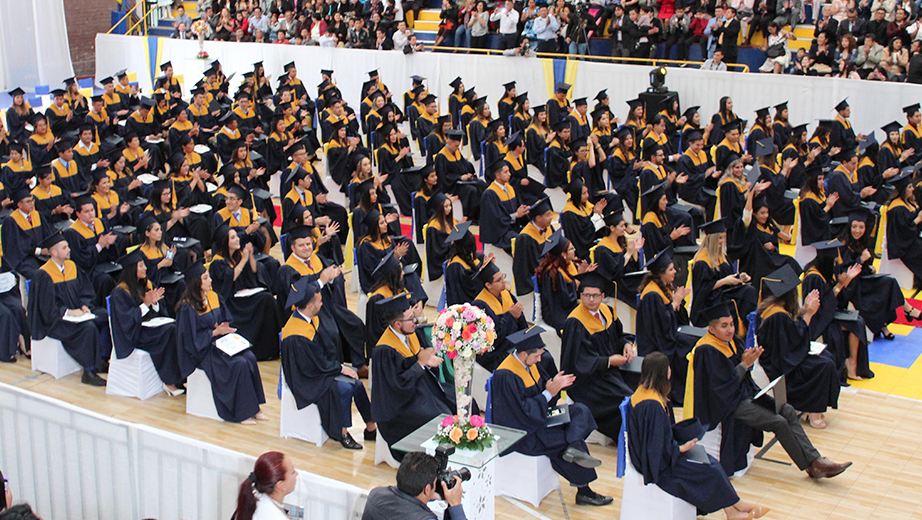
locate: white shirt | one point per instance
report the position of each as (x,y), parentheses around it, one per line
(402,337)
(546,28)
(268,509)
(508,20)
(400,40)
(710,65)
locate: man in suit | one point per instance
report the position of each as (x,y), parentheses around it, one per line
(853,25)
(878,26)
(618,19)
(727,35)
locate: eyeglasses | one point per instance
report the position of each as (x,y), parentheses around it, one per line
(413,319)
(592,296)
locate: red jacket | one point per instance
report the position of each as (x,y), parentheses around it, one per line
(698,25)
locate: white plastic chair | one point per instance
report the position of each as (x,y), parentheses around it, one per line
(199,396)
(49,356)
(301,424)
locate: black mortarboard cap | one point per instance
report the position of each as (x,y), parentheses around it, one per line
(867,141)
(55,238)
(652,195)
(373,73)
(539,109)
(660,261)
(824,123)
(594,279)
(714,227)
(479,102)
(555,244)
(454,135)
(58,92)
(859,214)
(131,258)
(827,246)
(521,98)
(436,201)
(455,83)
(765,147)
(17,92)
(900,180)
(163,66)
(602,95)
(634,103)
(799,129)
(387,265)
(428,100)
(842,105)
(514,140)
(71,80)
(371,219)
(396,304)
(732,125)
(892,127)
(527,339)
(302,291)
(326,72)
(22,193)
(718,311)
(911,109)
(458,233)
(763,112)
(487,273)
(781,106)
(781,281)
(560,86)
(509,86)
(687,430)
(580,102)
(689,112)
(613,218)
(558,126)
(289,65)
(540,208)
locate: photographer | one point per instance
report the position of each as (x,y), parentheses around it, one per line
(581,23)
(417,484)
(523,50)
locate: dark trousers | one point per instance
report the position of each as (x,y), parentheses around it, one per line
(680,39)
(547,45)
(349,392)
(618,50)
(786,427)
(508,41)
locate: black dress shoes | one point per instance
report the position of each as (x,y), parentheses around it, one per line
(92,379)
(349,443)
(588,497)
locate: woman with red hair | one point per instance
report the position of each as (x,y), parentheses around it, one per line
(262,493)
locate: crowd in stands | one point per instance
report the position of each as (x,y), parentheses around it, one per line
(859,40)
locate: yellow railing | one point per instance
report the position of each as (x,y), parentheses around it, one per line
(143,18)
(648,61)
(130,11)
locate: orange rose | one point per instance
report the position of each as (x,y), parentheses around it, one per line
(471,434)
(455,435)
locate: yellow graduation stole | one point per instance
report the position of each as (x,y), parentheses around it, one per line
(727,349)
(697,158)
(528,376)
(62,111)
(60,172)
(293,196)
(41,194)
(646,394)
(245,218)
(496,305)
(452,157)
(86,232)
(391,340)
(584,210)
(589,321)
(70,271)
(654,288)
(503,197)
(298,326)
(301,267)
(151,252)
(532,230)
(211,302)
(23,222)
(105,203)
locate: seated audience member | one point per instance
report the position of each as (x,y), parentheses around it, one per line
(502,207)
(663,459)
(500,305)
(66,291)
(406,393)
(556,277)
(719,391)
(22,232)
(133,302)
(594,346)
(464,262)
(417,485)
(314,371)
(784,332)
(261,494)
(617,257)
(201,319)
(522,396)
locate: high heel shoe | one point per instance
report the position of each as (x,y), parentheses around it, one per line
(910,318)
(888,336)
(173,393)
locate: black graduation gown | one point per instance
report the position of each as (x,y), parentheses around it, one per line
(726,152)
(374,321)
(692,191)
(450,168)
(658,331)
(623,178)
(655,454)
(557,304)
(875,296)
(498,207)
(586,347)
(311,365)
(910,138)
(869,174)
(903,240)
(39,153)
(842,136)
(824,324)
(504,324)
(781,208)
(757,133)
(461,285)
(492,152)
(257,317)
(715,388)
(518,402)
(558,164)
(235,381)
(609,257)
(812,381)
(338,162)
(434,143)
(535,145)
(557,110)
(339,325)
(838,181)
(528,246)
(172,291)
(405,395)
(14,176)
(704,277)
(814,221)
(798,174)
(760,262)
(13,323)
(87,341)
(732,200)
(129,333)
(477,131)
(16,124)
(578,227)
(20,239)
(782,133)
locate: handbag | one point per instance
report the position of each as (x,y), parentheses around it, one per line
(775,51)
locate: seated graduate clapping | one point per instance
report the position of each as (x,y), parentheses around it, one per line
(661,453)
(313,367)
(521,394)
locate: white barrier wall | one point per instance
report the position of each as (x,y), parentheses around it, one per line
(33,44)
(70,463)
(874,104)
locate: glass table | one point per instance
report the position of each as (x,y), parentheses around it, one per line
(479,492)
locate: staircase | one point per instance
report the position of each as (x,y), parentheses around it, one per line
(165,27)
(803,32)
(427,27)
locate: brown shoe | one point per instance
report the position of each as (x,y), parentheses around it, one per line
(362,372)
(825,468)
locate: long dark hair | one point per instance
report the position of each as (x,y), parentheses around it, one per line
(267,471)
(193,294)
(900,193)
(857,246)
(155,193)
(552,262)
(724,112)
(826,265)
(465,249)
(788,301)
(222,243)
(393,280)
(654,374)
(135,286)
(656,277)
(811,185)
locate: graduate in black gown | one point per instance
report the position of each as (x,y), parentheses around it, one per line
(133,302)
(815,209)
(660,314)
(617,257)
(437,230)
(719,391)
(784,332)
(581,220)
(594,345)
(844,181)
(376,244)
(529,245)
(406,393)
(15,331)
(22,232)
(464,262)
(842,330)
(500,305)
(457,176)
(659,456)
(522,394)
(763,242)
(843,135)
(92,246)
(875,296)
(391,278)
(59,289)
(558,156)
(234,269)
(701,173)
(537,135)
(903,218)
(556,278)
(201,319)
(313,369)
(501,206)
(714,280)
(659,231)
(341,327)
(623,166)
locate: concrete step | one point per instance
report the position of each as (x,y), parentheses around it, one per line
(426,25)
(160,31)
(430,14)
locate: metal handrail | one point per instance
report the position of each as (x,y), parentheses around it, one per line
(124,17)
(143,19)
(582,57)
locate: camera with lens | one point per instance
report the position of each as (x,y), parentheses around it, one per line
(448,475)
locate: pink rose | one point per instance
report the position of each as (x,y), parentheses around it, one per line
(452,354)
(448,421)
(476,421)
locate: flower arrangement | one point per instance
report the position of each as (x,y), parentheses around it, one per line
(473,435)
(463,330)
(200,29)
